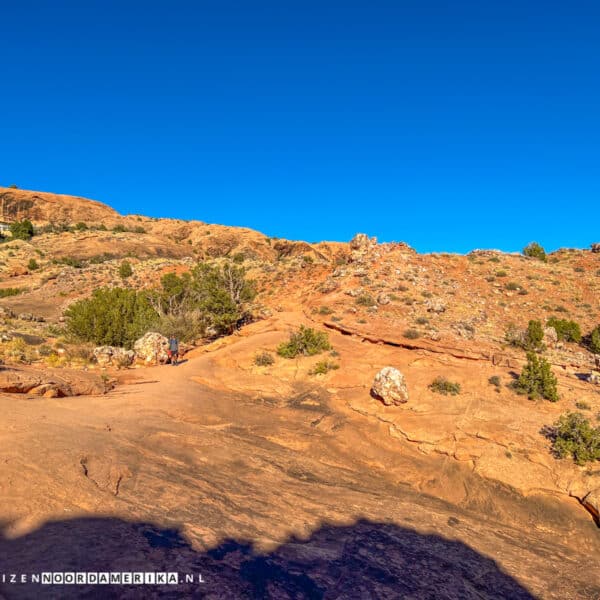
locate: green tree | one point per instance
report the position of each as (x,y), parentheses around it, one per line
(535,250)
(534,335)
(125,269)
(22,230)
(536,379)
(112,316)
(574,436)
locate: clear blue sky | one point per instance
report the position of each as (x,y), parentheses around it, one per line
(449,125)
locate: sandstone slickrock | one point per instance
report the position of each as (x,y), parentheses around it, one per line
(389,386)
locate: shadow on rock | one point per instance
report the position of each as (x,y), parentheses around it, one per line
(365,560)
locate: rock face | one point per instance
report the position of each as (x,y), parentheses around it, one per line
(42,207)
(596,247)
(389,386)
(113,356)
(592,503)
(151,348)
(361,245)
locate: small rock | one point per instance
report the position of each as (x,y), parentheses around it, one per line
(383,298)
(434,305)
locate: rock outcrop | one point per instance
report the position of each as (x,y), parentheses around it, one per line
(113,356)
(389,386)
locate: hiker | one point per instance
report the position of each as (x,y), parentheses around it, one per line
(173,349)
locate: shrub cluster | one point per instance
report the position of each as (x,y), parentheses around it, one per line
(323,367)
(264,359)
(306,341)
(112,317)
(6,292)
(569,331)
(22,230)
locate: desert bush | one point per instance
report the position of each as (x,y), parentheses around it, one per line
(119,229)
(139,229)
(186,326)
(575,437)
(112,316)
(534,335)
(365,300)
(582,405)
(306,341)
(535,250)
(22,230)
(69,261)
(593,340)
(264,359)
(441,385)
(81,226)
(238,258)
(325,310)
(495,381)
(323,367)
(32,265)
(536,379)
(411,334)
(569,331)
(125,270)
(6,292)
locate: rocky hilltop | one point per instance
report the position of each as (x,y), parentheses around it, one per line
(398,460)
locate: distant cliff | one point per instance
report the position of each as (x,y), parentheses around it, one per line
(43,207)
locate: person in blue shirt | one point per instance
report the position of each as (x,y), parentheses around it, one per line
(173,349)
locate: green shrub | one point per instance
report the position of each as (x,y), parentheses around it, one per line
(238,258)
(569,331)
(536,379)
(81,226)
(125,270)
(501,273)
(112,316)
(421,320)
(411,334)
(22,230)
(325,310)
(441,385)
(593,340)
(534,250)
(306,341)
(534,335)
(323,367)
(264,359)
(32,265)
(512,286)
(69,261)
(365,300)
(582,405)
(119,229)
(139,229)
(495,381)
(6,292)
(574,436)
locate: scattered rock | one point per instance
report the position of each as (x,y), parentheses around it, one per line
(434,305)
(113,356)
(389,387)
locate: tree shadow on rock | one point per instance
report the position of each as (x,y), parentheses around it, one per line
(364,560)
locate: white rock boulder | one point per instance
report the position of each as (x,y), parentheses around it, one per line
(389,387)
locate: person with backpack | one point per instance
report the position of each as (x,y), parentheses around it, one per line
(173,349)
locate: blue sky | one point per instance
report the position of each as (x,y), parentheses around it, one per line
(448,125)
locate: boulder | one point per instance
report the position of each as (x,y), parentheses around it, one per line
(389,387)
(383,298)
(596,247)
(113,356)
(434,305)
(550,336)
(151,348)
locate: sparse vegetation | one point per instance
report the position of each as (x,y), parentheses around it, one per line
(495,381)
(6,292)
(441,385)
(32,265)
(305,342)
(365,300)
(575,437)
(264,359)
(411,334)
(323,367)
